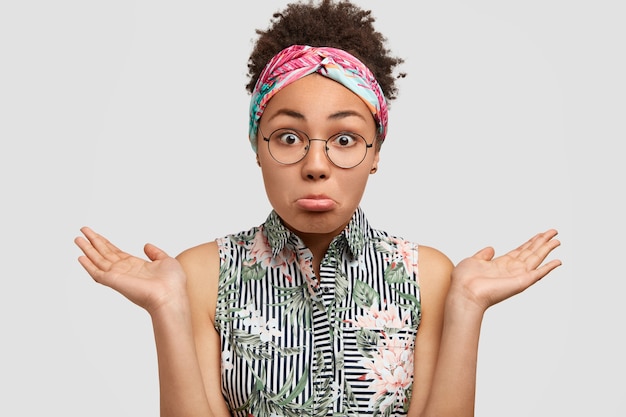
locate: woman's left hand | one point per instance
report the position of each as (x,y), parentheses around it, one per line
(483,280)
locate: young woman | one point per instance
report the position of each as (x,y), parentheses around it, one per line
(315,312)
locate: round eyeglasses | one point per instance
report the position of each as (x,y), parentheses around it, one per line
(343,149)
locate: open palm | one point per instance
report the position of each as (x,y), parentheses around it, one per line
(486,280)
(148,283)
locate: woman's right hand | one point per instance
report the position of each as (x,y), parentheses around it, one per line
(149,284)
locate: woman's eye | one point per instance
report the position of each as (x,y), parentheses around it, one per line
(344,140)
(289,138)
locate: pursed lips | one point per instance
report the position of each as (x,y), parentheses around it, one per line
(316,203)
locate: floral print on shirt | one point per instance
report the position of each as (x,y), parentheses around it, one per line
(295,345)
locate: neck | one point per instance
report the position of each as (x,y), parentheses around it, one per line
(318,245)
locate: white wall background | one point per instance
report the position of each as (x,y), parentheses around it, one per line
(131,117)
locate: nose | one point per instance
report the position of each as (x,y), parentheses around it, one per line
(316,164)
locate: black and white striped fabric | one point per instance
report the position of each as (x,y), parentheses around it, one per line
(297,345)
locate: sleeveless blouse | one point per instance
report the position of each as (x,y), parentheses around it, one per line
(294,345)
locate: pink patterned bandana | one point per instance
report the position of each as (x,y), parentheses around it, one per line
(297,61)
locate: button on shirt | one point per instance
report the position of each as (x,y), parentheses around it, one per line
(295,345)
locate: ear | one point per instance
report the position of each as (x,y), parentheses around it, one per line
(375,163)
(258,161)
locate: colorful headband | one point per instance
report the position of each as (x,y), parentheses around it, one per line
(297,61)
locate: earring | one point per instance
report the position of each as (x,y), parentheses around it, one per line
(373,170)
(258,162)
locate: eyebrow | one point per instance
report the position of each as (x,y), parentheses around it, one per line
(334,116)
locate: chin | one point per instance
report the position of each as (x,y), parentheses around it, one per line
(317,223)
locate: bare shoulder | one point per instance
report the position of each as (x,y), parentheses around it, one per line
(201,264)
(433,261)
(435,269)
(199,257)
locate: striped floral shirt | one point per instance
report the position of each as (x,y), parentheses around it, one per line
(293,345)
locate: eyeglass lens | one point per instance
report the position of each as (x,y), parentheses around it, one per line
(344,149)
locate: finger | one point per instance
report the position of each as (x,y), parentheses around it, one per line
(95,258)
(539,249)
(485,254)
(534,245)
(544,270)
(154,253)
(517,252)
(94,271)
(526,245)
(540,239)
(537,274)
(108,250)
(533,259)
(542,253)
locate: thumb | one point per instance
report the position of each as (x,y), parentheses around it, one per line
(154,253)
(485,254)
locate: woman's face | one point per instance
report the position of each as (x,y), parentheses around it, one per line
(313,196)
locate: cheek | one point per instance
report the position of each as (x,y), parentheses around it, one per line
(353,182)
(361,182)
(278,180)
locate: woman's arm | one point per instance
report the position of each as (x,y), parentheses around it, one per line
(181,384)
(435,270)
(160,287)
(201,265)
(448,378)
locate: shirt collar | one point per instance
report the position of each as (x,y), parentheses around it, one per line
(355,233)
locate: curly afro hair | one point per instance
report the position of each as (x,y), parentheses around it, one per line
(338,24)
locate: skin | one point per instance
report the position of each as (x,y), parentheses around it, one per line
(316,200)
(320,107)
